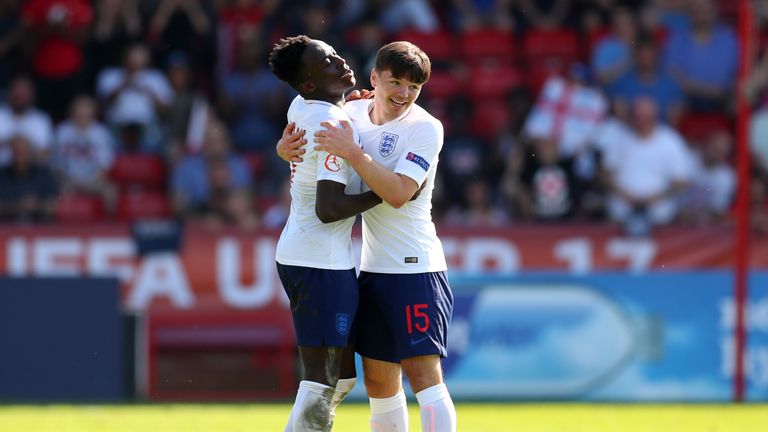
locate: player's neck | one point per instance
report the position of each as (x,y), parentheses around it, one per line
(379,116)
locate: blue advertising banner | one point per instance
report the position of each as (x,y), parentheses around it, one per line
(603,337)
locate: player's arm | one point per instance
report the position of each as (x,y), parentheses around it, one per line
(395,189)
(332,204)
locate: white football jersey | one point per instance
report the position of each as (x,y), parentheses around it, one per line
(305,240)
(401,240)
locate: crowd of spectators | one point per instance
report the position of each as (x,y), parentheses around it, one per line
(554,110)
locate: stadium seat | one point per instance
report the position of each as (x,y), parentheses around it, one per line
(562,44)
(493,81)
(695,127)
(145,171)
(538,72)
(443,85)
(142,204)
(440,46)
(79,209)
(487,44)
(490,117)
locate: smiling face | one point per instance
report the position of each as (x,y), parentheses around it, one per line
(394,96)
(325,74)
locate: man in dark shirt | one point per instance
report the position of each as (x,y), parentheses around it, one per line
(27,188)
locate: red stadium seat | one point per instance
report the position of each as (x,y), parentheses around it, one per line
(141,170)
(562,44)
(140,204)
(487,44)
(439,45)
(493,81)
(539,72)
(79,208)
(443,85)
(696,127)
(490,117)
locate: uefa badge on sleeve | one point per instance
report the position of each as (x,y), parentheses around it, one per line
(387,144)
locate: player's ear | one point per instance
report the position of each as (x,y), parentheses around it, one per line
(374,77)
(307,87)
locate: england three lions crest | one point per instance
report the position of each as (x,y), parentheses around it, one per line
(388,144)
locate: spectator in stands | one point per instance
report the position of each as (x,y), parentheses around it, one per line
(568,111)
(116,26)
(672,15)
(544,14)
(612,56)
(463,157)
(187,102)
(240,22)
(136,95)
(20,117)
(759,140)
(27,187)
(703,59)
(187,26)
(57,32)
(190,181)
(713,181)
(227,205)
(480,211)
(11,35)
(647,172)
(83,152)
(647,78)
(392,15)
(543,187)
(276,214)
(759,203)
(469,15)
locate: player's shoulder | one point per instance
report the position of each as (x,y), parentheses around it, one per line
(422,121)
(357,108)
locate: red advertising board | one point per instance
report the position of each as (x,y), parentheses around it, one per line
(235,270)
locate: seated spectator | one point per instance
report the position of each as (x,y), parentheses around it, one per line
(187,104)
(240,22)
(20,117)
(83,152)
(136,94)
(703,59)
(758,190)
(276,215)
(227,205)
(646,172)
(468,15)
(57,32)
(544,14)
(647,78)
(612,56)
(27,187)
(546,187)
(190,181)
(672,15)
(758,139)
(713,181)
(481,210)
(568,110)
(463,157)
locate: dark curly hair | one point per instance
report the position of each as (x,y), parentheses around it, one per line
(285,58)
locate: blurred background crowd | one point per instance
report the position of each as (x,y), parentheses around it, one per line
(554,110)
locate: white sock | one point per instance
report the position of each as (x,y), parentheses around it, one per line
(312,409)
(389,414)
(437,411)
(343,387)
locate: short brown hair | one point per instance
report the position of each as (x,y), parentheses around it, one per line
(404,60)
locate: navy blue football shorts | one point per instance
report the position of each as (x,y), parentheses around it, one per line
(323,304)
(403,315)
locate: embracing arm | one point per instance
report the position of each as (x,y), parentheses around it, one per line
(332,204)
(395,189)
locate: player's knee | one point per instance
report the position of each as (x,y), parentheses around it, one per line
(423,372)
(382,387)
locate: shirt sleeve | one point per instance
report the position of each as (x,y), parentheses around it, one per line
(422,150)
(330,167)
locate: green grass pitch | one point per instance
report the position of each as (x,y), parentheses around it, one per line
(354,418)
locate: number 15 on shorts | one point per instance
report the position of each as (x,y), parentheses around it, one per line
(416,318)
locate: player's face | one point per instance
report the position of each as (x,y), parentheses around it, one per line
(394,96)
(327,70)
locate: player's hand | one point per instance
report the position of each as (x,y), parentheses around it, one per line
(289,147)
(359,94)
(336,140)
